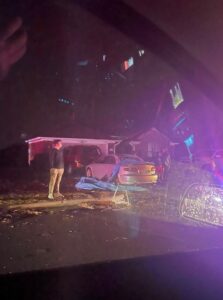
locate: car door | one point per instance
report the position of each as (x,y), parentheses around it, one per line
(109,163)
(104,168)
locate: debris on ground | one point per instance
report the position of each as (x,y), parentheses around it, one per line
(160,201)
(86,205)
(17,215)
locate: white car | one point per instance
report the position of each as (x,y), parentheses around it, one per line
(130,169)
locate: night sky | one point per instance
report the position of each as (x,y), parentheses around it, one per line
(63,87)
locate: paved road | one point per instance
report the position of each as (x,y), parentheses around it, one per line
(67,238)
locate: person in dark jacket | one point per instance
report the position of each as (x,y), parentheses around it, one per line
(56,168)
(166,162)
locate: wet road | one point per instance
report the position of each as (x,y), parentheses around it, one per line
(68,238)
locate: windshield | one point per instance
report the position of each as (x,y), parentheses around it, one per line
(130,158)
(81,81)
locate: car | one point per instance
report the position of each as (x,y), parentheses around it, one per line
(124,169)
(203,159)
(208,160)
(77,157)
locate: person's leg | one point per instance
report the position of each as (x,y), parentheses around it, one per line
(53,177)
(59,177)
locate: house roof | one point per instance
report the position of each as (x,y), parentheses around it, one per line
(153,134)
(77,141)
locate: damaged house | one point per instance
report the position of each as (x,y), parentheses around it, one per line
(150,143)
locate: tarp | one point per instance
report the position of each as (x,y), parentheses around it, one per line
(86,183)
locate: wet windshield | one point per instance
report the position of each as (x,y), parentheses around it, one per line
(80,82)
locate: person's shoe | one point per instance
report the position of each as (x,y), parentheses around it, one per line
(50,196)
(60,195)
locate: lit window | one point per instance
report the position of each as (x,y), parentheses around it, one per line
(127,64)
(141,52)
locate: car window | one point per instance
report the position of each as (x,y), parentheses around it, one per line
(109,160)
(133,158)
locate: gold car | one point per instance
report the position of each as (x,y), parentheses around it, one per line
(124,169)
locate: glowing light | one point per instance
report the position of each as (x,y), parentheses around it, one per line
(179,123)
(127,64)
(189,141)
(109,76)
(141,52)
(176,95)
(65,101)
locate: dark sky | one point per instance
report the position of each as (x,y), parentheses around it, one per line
(61,35)
(196,24)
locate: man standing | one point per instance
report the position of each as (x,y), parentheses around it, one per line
(56,168)
(166,162)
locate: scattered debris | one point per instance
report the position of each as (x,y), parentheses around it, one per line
(23,200)
(33,212)
(5,220)
(86,205)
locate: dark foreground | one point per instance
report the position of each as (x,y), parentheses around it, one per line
(145,251)
(196,275)
(76,237)
(109,254)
